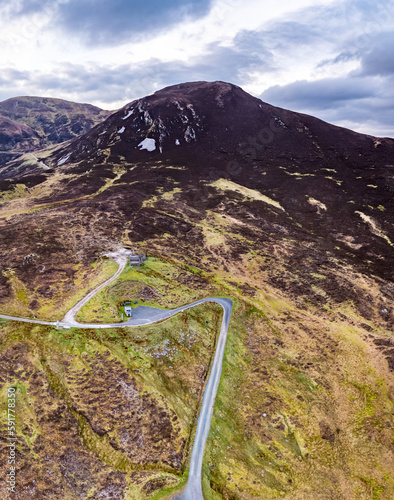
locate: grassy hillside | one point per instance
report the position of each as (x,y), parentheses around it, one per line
(113,403)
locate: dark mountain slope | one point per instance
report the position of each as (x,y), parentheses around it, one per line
(335,184)
(224,122)
(216,144)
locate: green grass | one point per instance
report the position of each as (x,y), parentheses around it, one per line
(283,455)
(156,283)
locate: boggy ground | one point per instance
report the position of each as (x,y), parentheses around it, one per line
(305,406)
(105,414)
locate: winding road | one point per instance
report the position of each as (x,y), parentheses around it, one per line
(120,258)
(143,315)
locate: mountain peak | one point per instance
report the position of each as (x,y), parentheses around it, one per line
(215,120)
(190,88)
(217,93)
(210,114)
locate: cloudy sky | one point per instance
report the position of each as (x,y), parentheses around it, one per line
(332,59)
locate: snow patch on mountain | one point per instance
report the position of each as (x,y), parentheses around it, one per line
(190,134)
(148,144)
(279,122)
(163,133)
(130,112)
(63,159)
(190,106)
(148,118)
(181,108)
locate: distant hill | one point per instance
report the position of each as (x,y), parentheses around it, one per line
(16,136)
(28,123)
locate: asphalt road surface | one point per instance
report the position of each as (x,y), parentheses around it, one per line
(143,315)
(193,489)
(120,257)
